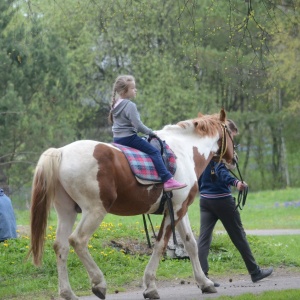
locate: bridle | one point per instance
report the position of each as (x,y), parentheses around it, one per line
(242,195)
(222,150)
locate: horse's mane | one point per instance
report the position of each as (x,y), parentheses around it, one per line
(204,125)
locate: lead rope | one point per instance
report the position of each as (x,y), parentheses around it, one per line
(242,196)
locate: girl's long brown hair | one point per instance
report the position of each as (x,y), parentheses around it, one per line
(120,87)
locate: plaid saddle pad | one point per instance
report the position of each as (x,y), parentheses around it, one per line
(142,165)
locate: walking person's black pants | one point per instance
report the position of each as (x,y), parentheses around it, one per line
(212,210)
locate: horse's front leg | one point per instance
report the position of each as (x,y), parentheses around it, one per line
(164,234)
(184,229)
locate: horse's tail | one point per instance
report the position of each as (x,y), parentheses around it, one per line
(43,191)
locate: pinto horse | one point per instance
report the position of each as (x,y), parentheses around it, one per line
(97,178)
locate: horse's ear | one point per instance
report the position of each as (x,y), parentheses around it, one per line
(200,115)
(222,115)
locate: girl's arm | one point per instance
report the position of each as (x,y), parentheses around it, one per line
(135,120)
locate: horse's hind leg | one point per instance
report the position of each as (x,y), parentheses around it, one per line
(65,208)
(187,236)
(90,221)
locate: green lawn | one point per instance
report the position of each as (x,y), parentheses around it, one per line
(19,279)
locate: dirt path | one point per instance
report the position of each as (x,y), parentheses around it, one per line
(281,279)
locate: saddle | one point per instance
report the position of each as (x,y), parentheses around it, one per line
(145,173)
(141,164)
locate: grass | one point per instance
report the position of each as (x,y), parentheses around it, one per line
(19,279)
(270,295)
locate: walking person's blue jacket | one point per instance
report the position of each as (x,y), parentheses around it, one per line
(216,182)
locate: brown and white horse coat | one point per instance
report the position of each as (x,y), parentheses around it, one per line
(97,177)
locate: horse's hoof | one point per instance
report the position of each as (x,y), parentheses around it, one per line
(100,292)
(153,294)
(209,290)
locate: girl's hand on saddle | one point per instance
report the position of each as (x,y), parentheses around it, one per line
(242,185)
(153,135)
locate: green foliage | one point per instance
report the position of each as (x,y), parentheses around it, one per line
(59,61)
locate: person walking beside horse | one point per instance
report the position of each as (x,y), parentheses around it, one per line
(217,203)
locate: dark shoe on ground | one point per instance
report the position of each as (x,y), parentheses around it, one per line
(263,273)
(216,284)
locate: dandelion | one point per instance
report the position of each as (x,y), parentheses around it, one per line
(5,244)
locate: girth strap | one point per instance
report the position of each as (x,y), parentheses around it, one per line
(167,197)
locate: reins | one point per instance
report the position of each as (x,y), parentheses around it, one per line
(224,143)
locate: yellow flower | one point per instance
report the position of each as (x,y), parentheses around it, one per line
(5,244)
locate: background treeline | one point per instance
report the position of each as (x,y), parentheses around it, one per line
(59,60)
